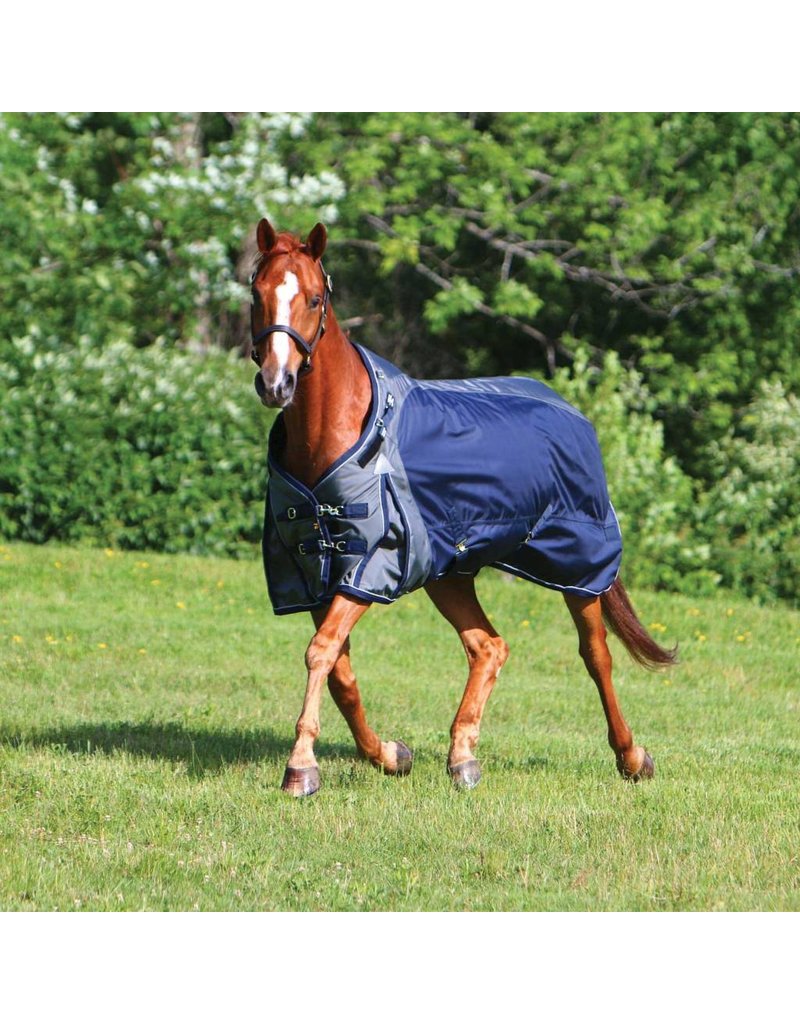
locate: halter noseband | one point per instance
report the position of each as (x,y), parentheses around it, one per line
(307,347)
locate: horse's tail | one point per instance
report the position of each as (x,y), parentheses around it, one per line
(622,621)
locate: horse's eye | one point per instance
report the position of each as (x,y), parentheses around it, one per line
(315,302)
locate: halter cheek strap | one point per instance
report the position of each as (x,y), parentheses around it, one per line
(307,347)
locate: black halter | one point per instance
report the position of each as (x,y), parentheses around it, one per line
(307,347)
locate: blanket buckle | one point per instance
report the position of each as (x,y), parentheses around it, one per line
(330,510)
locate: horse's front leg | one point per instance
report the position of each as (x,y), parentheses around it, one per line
(302,773)
(486,652)
(392,756)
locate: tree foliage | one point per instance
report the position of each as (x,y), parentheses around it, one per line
(673,240)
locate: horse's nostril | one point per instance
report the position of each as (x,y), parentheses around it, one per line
(276,393)
(284,389)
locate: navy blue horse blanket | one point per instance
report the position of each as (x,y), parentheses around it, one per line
(447,477)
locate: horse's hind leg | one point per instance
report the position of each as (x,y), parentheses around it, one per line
(486,653)
(393,756)
(633,762)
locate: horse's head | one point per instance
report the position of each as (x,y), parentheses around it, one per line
(290,306)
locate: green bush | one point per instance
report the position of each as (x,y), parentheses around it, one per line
(152,449)
(751,516)
(653,497)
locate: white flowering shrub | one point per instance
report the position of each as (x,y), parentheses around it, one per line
(751,516)
(199,207)
(134,227)
(152,449)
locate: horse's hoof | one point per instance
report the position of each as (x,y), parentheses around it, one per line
(399,764)
(301,781)
(405,759)
(466,775)
(646,770)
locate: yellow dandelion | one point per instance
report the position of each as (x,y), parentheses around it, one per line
(180,604)
(156,583)
(740,639)
(250,611)
(658,627)
(142,565)
(58,565)
(102,646)
(16,639)
(525,622)
(701,637)
(729,612)
(142,650)
(694,612)
(220,583)
(109,552)
(51,639)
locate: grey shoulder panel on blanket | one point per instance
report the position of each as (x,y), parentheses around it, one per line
(448,477)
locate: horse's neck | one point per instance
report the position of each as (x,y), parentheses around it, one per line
(326,416)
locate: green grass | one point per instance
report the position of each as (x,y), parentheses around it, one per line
(147,707)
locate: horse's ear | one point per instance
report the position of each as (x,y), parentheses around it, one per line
(317,240)
(265,236)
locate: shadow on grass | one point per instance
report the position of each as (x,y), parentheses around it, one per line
(200,749)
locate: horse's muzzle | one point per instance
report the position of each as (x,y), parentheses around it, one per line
(280,394)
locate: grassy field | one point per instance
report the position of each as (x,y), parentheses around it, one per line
(147,706)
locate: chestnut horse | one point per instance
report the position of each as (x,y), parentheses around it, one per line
(324,414)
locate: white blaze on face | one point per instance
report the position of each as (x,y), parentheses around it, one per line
(281,343)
